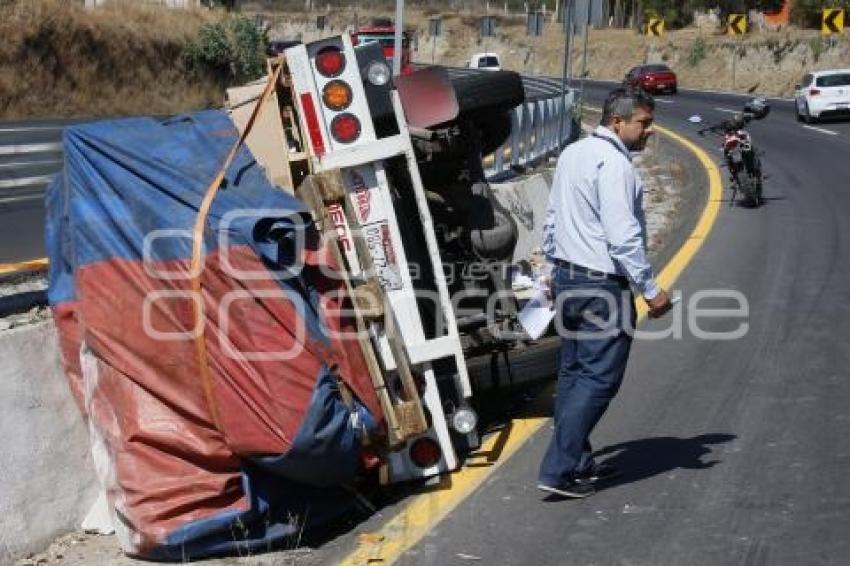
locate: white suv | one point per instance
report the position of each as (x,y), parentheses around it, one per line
(822,94)
(485,62)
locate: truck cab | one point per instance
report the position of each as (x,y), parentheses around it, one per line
(384,35)
(415,226)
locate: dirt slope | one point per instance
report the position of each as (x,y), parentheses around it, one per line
(58,60)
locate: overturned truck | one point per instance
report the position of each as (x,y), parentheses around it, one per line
(253,304)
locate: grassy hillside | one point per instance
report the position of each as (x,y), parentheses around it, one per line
(57,59)
(764,62)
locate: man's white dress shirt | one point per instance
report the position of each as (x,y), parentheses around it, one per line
(595,217)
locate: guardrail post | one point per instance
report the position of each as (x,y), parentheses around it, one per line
(516,129)
(540,127)
(527,125)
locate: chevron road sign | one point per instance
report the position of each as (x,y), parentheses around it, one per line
(737,24)
(832,21)
(655,27)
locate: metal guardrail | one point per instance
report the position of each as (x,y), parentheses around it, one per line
(539,129)
(31,152)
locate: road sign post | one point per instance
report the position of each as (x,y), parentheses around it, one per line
(534,26)
(435,25)
(488,28)
(736,24)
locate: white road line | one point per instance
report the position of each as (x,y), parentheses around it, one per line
(29,163)
(664,101)
(821,130)
(25,182)
(30,129)
(727,110)
(29,148)
(13,200)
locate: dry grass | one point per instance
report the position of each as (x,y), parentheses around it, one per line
(58,59)
(768,63)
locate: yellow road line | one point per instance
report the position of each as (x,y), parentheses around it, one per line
(427,509)
(31,265)
(700,232)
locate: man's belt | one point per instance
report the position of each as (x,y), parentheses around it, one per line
(590,273)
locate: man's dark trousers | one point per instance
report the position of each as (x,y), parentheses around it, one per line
(597,315)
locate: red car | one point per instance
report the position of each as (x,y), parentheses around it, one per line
(652,78)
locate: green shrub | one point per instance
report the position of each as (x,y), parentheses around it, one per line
(233,52)
(697,52)
(818,46)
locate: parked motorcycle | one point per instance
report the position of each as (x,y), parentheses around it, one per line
(743,160)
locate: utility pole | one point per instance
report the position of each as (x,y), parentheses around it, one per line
(567,15)
(584,57)
(399,26)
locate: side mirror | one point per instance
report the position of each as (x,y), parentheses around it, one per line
(796,87)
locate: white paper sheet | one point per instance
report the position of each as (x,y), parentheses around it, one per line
(536,315)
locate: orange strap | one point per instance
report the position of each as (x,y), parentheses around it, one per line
(197,265)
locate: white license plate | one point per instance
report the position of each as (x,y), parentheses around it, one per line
(380,244)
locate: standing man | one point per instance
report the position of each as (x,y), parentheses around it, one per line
(595,235)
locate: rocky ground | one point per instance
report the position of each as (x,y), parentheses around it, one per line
(22,299)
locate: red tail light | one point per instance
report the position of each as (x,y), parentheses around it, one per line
(313,124)
(345,128)
(330,61)
(814,92)
(425,452)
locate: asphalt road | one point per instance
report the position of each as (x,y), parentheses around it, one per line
(733,451)
(30,154)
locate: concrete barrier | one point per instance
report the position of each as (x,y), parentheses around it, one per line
(48,484)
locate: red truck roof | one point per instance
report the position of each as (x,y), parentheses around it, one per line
(376,29)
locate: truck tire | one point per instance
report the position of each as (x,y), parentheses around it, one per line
(488,91)
(532,364)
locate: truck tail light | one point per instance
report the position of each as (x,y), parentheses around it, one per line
(330,61)
(345,128)
(337,95)
(425,452)
(814,92)
(313,127)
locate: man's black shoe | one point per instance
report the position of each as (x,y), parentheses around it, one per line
(599,472)
(575,489)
